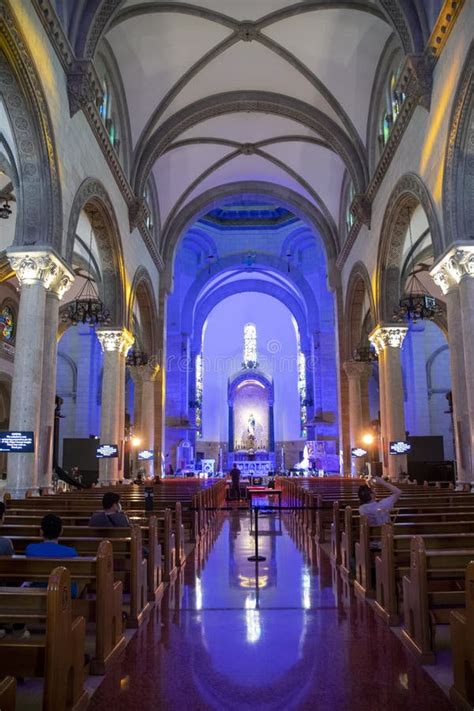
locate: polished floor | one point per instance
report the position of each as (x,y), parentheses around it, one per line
(227,638)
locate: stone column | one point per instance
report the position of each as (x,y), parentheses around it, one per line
(115,343)
(388,340)
(453,274)
(144,377)
(38,271)
(48,385)
(160,381)
(358,374)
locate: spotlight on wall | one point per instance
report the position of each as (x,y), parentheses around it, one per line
(136,441)
(368,438)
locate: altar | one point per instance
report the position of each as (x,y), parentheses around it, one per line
(261,467)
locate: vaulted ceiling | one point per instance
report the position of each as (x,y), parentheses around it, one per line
(272,91)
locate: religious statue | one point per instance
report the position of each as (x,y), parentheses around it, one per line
(251,427)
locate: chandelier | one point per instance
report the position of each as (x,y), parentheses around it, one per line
(365,354)
(5,211)
(136,357)
(417,302)
(87,306)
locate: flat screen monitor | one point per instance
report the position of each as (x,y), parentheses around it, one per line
(358,452)
(107,451)
(399,447)
(145,454)
(18,442)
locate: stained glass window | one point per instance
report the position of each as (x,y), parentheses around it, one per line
(386,127)
(104,108)
(394,98)
(349,215)
(198,409)
(7,324)
(250,346)
(302,389)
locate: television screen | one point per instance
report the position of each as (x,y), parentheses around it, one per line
(107,451)
(145,454)
(17,442)
(358,452)
(400,447)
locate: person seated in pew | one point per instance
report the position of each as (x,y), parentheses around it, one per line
(6,546)
(51,528)
(111,515)
(377,512)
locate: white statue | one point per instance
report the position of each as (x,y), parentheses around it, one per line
(251,426)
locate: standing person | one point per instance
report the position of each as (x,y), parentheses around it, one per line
(111,514)
(235,477)
(377,512)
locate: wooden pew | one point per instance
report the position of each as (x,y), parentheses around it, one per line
(7,694)
(103,607)
(434,587)
(462,644)
(59,655)
(393,561)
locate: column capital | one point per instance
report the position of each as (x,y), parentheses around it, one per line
(115,339)
(144,373)
(387,336)
(41,266)
(455,264)
(357,369)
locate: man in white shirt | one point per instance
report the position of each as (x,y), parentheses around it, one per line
(377,512)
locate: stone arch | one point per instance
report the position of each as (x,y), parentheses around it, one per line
(409,192)
(277,265)
(94,200)
(458,184)
(205,307)
(223,194)
(39,211)
(142,293)
(358,286)
(253,101)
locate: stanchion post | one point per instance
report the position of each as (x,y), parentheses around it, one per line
(256,558)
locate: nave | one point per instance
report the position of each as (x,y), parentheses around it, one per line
(219,642)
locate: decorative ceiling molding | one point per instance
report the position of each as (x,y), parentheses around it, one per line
(254,101)
(444,24)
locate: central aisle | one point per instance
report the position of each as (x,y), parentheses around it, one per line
(222,641)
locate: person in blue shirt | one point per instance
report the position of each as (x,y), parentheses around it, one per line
(51,527)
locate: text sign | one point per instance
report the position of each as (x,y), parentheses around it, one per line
(399,447)
(17,442)
(145,454)
(107,451)
(358,452)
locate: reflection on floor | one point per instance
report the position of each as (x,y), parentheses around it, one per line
(231,636)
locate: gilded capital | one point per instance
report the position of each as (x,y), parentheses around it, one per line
(115,339)
(43,267)
(389,336)
(453,266)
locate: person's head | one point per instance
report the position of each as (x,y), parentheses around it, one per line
(2,512)
(51,526)
(111,502)
(366,494)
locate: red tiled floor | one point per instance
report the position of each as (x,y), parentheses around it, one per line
(219,643)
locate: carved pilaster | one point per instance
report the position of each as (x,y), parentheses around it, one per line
(83,86)
(453,266)
(118,339)
(357,370)
(416,79)
(388,336)
(144,373)
(43,266)
(361,208)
